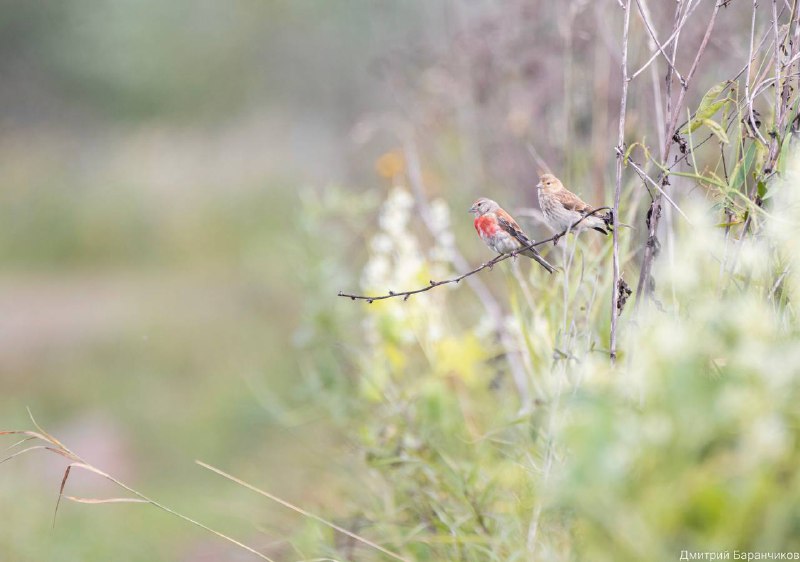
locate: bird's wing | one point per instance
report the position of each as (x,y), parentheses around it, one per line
(508,224)
(572,202)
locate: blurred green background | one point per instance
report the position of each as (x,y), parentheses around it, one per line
(152,156)
(184,187)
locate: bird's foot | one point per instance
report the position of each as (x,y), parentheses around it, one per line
(556,238)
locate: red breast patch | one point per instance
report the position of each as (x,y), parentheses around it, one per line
(486,225)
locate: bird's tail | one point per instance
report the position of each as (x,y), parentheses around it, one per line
(610,227)
(534,255)
(600,223)
(608,219)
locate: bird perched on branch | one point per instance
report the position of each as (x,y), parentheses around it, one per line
(501,232)
(562,208)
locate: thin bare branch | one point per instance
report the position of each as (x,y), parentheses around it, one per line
(685,85)
(679,23)
(646,177)
(488,265)
(777,284)
(623,108)
(645,13)
(656,84)
(764,85)
(645,285)
(748,98)
(782,89)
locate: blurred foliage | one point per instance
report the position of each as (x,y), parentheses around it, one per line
(691,445)
(185,186)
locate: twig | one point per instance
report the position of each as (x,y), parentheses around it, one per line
(679,23)
(777,284)
(623,105)
(644,286)
(676,30)
(780,110)
(644,8)
(735,78)
(781,90)
(748,99)
(646,19)
(488,265)
(762,86)
(685,85)
(646,177)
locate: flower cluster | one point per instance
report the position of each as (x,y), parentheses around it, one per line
(395,258)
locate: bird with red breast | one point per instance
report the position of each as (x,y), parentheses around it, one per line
(501,233)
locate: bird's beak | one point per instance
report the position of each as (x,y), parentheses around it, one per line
(539,185)
(473,209)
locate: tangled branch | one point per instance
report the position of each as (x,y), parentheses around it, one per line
(488,265)
(673,111)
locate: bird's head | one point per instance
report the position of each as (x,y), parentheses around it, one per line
(483,206)
(548,182)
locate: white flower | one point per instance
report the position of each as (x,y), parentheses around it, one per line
(440,214)
(381,243)
(767,437)
(485,327)
(376,272)
(395,211)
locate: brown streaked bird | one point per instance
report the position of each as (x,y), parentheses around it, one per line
(562,208)
(501,232)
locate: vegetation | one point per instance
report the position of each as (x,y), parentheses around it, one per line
(639,404)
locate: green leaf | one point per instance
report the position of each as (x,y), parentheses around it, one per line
(709,105)
(710,180)
(739,175)
(767,191)
(727,224)
(708,101)
(628,152)
(784,154)
(761,156)
(700,117)
(632,147)
(717,129)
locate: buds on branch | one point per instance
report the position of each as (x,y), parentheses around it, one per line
(488,265)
